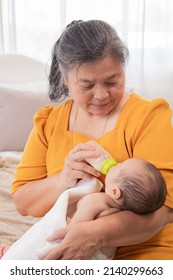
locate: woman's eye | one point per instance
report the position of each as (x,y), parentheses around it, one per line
(112,84)
(87,87)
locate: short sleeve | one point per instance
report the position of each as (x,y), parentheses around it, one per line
(153,141)
(33,162)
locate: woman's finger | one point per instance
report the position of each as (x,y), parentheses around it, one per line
(81,168)
(82,147)
(58,234)
(82,151)
(82,155)
(55,254)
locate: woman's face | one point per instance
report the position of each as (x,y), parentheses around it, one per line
(97,87)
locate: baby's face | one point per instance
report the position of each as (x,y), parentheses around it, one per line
(132,166)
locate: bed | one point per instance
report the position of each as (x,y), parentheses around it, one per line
(12,225)
(23,90)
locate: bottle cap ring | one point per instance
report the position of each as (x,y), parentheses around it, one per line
(107,164)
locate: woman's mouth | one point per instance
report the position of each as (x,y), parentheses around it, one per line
(100,105)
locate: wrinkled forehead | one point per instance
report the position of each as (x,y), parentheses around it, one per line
(106,68)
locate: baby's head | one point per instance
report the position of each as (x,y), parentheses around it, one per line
(136,185)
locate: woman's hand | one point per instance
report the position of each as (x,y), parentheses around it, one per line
(77,244)
(37,197)
(76,167)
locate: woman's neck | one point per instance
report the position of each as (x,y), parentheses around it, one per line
(95,125)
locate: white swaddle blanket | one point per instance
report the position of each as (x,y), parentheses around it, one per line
(33,245)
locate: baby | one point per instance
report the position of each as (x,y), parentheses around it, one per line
(135,185)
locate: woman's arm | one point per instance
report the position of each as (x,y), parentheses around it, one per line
(129,228)
(37,197)
(120,229)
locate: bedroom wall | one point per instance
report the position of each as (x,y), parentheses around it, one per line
(145,26)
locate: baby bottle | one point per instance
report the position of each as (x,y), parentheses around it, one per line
(104,162)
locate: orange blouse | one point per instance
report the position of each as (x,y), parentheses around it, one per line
(143,130)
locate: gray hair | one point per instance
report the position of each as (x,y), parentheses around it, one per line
(81,42)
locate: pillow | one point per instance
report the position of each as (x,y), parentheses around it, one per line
(18,105)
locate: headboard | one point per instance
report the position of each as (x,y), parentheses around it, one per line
(23,90)
(17,68)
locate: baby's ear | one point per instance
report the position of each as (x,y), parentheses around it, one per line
(116,192)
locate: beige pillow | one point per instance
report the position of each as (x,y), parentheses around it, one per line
(18,104)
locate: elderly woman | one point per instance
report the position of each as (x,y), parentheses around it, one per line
(88,65)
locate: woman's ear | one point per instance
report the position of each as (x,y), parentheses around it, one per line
(116,192)
(65,82)
(65,78)
(65,85)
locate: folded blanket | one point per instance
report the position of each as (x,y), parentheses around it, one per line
(12,224)
(33,245)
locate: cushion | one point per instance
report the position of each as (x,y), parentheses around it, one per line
(18,105)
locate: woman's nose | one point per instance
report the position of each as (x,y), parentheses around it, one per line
(100,92)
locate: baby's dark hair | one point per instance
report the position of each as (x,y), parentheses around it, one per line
(143,194)
(81,42)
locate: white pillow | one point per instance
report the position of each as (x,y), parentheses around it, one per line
(18,105)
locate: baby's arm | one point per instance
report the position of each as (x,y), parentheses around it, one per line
(92,206)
